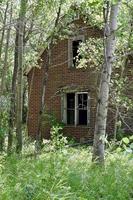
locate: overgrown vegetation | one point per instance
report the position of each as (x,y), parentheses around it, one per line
(66,175)
(35,26)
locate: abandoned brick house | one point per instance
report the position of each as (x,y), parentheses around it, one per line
(70,92)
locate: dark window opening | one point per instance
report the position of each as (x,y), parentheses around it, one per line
(75,47)
(77,109)
(82,117)
(70,108)
(82,109)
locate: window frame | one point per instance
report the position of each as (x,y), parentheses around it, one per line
(70,49)
(64,109)
(76,16)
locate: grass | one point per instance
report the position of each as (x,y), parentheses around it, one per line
(66,175)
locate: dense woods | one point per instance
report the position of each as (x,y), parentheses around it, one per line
(30,29)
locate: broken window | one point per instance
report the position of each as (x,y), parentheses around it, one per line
(76,108)
(73,51)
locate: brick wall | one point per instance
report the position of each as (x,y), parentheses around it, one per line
(60,75)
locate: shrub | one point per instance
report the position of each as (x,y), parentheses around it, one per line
(57,139)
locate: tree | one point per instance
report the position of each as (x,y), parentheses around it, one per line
(56,30)
(1,89)
(110,16)
(21,22)
(5,66)
(3,29)
(12,109)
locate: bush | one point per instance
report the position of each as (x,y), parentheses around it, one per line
(58,141)
(124,145)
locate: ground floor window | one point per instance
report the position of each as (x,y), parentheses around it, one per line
(76,108)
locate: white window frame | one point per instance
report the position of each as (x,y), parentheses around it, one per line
(64,108)
(76,16)
(70,49)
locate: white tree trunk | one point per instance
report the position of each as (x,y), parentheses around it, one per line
(103,98)
(20,76)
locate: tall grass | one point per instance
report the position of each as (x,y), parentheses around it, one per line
(66,175)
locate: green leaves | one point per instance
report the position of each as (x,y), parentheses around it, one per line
(125,140)
(115,1)
(126,144)
(91,54)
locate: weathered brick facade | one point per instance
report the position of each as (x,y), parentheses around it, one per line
(61,76)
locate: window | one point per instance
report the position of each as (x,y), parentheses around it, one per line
(82,109)
(73,50)
(75,47)
(76,108)
(76,16)
(70,108)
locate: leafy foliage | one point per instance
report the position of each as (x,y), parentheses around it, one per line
(67,175)
(57,139)
(3,116)
(91,54)
(125,145)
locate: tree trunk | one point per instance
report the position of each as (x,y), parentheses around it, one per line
(24,109)
(1,47)
(44,82)
(20,76)
(42,104)
(13,96)
(4,71)
(103,98)
(3,31)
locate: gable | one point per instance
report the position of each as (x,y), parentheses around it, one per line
(60,52)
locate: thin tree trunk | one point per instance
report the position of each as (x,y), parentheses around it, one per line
(19,93)
(1,47)
(13,96)
(20,77)
(42,104)
(4,71)
(103,98)
(3,31)
(24,110)
(44,82)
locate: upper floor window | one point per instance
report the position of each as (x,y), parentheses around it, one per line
(76,16)
(73,50)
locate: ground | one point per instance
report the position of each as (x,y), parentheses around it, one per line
(66,175)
